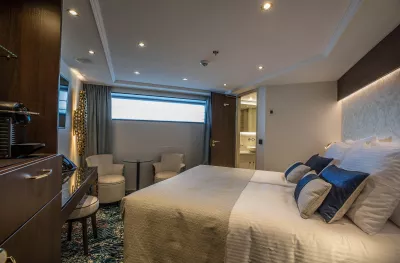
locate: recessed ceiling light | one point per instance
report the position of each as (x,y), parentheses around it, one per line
(225,85)
(184,79)
(266,6)
(141,44)
(260,67)
(91,52)
(72,12)
(137,72)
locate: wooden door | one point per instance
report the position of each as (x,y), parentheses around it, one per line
(223,130)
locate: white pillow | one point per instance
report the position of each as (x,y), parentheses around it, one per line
(362,141)
(381,195)
(337,151)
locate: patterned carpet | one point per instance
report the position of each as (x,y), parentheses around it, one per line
(107,248)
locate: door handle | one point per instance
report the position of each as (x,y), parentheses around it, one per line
(43,173)
(213,142)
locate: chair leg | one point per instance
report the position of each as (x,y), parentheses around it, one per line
(85,238)
(69,230)
(94,226)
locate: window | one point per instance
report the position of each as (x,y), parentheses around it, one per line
(153,108)
(62,102)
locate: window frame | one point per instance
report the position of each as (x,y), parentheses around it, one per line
(141,97)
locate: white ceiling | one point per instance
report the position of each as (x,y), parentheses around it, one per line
(296,41)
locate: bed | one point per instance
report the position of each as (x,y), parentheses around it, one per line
(216,214)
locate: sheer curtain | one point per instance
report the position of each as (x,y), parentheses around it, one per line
(99,121)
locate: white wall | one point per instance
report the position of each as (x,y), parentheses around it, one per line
(261,113)
(66,141)
(144,139)
(306,118)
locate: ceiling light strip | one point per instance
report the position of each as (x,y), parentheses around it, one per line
(103,36)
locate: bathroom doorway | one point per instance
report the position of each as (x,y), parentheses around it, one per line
(247,127)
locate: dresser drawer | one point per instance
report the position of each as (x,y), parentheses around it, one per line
(25,190)
(38,240)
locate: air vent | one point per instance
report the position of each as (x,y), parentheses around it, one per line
(6,137)
(83,60)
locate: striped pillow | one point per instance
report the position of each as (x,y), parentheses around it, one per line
(296,171)
(381,194)
(309,194)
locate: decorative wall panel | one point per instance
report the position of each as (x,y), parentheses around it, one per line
(373,110)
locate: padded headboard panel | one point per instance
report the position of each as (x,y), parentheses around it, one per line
(374,110)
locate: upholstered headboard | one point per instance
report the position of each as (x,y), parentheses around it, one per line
(374,110)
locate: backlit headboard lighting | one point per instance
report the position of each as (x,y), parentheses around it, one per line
(376,83)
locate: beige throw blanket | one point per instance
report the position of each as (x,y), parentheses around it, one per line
(184,219)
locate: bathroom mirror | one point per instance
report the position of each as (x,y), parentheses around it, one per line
(248,113)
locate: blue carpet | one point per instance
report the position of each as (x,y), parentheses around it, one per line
(107,248)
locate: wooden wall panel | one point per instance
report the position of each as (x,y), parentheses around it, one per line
(379,61)
(32,30)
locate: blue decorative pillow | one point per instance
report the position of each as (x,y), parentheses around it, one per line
(318,163)
(346,187)
(296,171)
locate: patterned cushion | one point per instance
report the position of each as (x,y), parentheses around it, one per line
(318,163)
(309,194)
(296,171)
(346,187)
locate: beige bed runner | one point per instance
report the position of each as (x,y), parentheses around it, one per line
(184,219)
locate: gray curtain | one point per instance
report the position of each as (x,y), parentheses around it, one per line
(99,121)
(207,132)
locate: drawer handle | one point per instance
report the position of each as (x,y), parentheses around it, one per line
(4,258)
(43,173)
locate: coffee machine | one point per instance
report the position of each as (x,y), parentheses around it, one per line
(11,115)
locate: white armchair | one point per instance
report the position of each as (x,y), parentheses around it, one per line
(111,179)
(171,164)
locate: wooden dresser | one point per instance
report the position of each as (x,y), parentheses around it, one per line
(30,200)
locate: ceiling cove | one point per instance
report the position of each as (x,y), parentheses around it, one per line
(340,28)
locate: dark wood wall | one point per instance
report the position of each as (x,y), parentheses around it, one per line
(32,30)
(379,61)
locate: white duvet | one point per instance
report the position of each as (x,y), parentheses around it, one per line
(265,226)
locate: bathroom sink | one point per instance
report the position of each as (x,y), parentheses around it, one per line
(252,149)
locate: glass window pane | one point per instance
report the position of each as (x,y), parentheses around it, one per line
(156,110)
(63,95)
(62,106)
